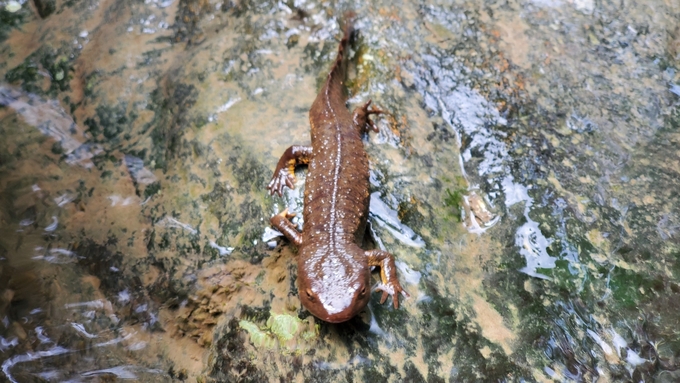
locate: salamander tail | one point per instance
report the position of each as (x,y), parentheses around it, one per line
(338,73)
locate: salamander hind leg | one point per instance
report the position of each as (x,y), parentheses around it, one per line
(388,275)
(361,117)
(284,174)
(283,224)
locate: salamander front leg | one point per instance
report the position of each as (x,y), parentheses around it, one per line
(361,117)
(282,223)
(388,275)
(284,174)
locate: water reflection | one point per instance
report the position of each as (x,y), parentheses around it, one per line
(89,331)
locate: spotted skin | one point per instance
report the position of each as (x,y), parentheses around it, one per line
(333,270)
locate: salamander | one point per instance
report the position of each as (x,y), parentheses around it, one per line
(333,276)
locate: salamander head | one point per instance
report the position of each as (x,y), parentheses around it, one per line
(334,289)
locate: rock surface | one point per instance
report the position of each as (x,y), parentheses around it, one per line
(526,179)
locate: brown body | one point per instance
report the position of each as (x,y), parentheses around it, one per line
(333,270)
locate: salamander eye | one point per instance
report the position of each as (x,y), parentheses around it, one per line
(363,291)
(310,295)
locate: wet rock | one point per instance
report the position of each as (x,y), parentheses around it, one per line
(6,296)
(292,41)
(477,216)
(45,7)
(171,105)
(561,117)
(187,21)
(18,331)
(11,20)
(234,363)
(216,287)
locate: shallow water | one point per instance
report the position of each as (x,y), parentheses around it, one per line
(526,180)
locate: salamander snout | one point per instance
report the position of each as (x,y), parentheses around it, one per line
(336,304)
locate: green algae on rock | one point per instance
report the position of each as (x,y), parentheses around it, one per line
(283,327)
